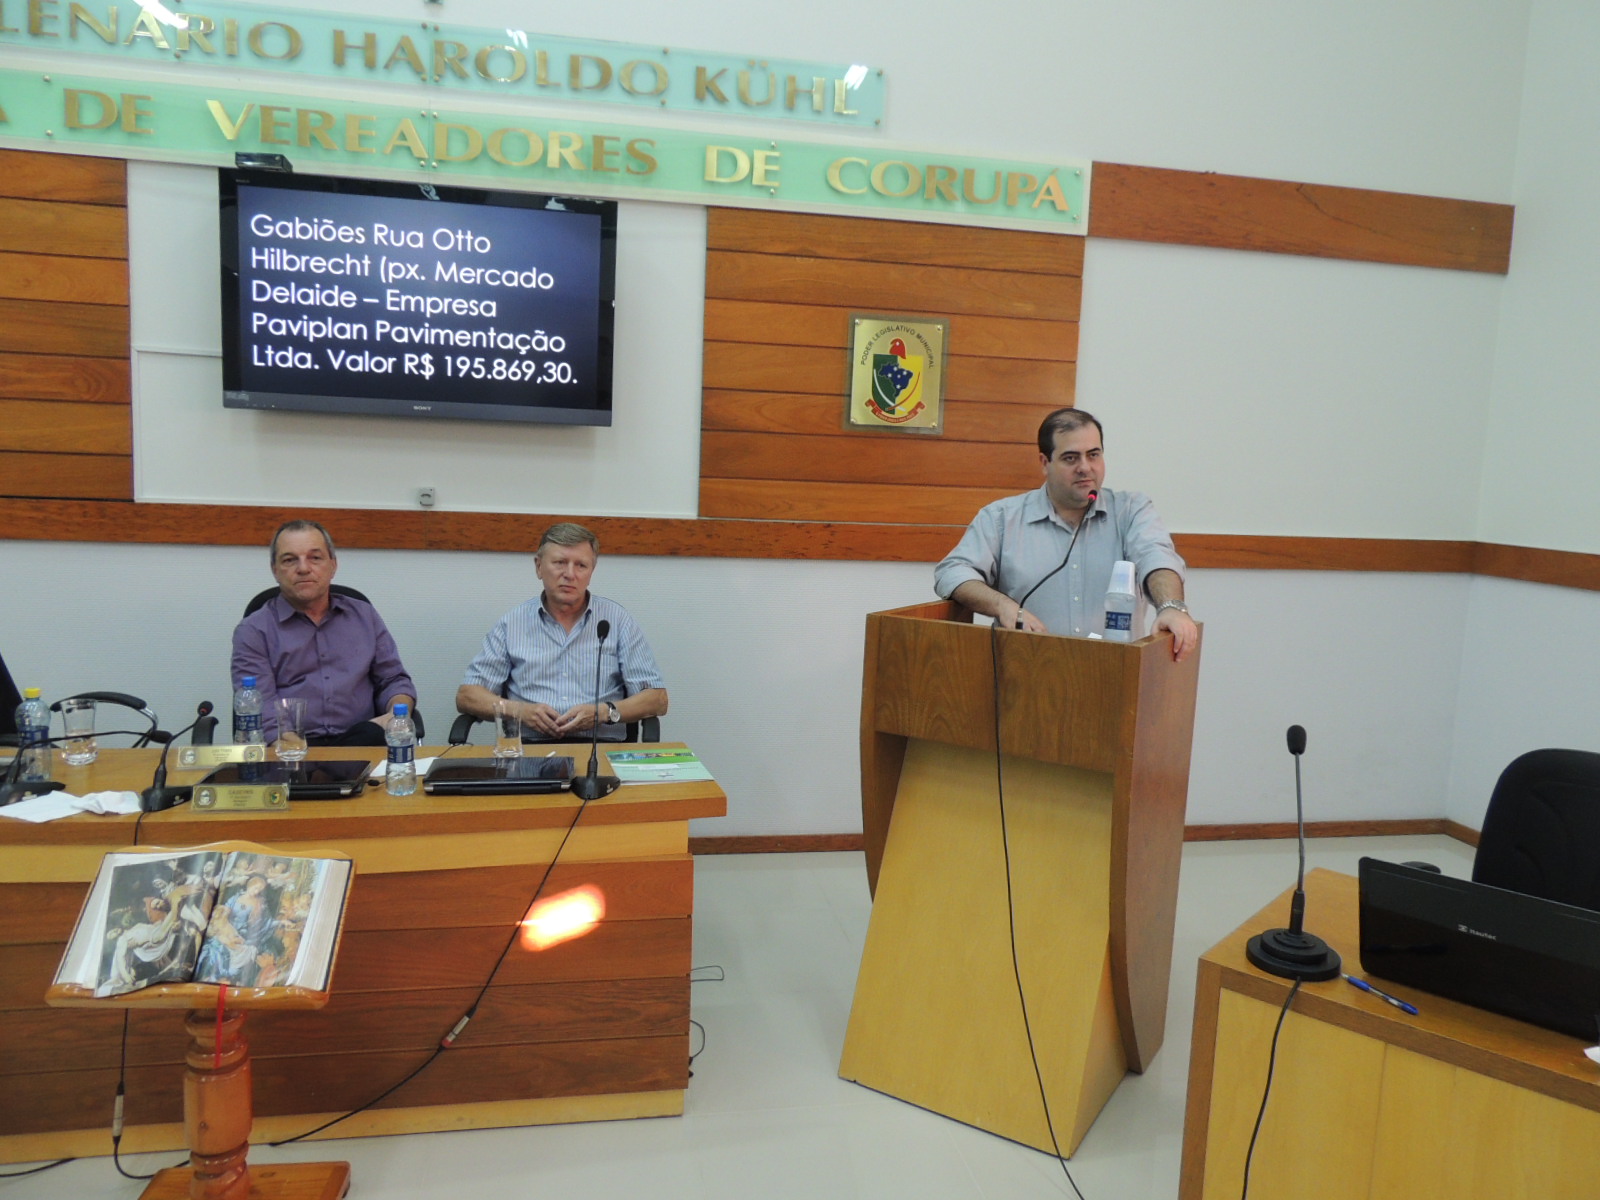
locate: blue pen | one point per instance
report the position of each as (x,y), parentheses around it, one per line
(1381,995)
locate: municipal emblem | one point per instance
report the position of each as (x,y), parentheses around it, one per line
(897,374)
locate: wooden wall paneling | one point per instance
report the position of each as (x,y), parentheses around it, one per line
(55,427)
(866,240)
(1234,212)
(825,325)
(1017,294)
(48,377)
(909,289)
(59,277)
(727,411)
(26,174)
(864,460)
(50,227)
(781,500)
(80,476)
(42,327)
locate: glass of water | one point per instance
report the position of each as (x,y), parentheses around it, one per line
(507,729)
(77,721)
(290,712)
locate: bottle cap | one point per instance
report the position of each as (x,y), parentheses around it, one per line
(1122,577)
(248,681)
(402,710)
(30,693)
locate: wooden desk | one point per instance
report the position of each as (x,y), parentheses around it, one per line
(594,1029)
(1368,1102)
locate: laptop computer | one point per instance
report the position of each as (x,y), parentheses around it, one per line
(1522,956)
(498,776)
(310,779)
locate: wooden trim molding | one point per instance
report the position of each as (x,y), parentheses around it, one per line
(1235,212)
(118,521)
(809,843)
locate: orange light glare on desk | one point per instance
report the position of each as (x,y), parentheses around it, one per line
(562,917)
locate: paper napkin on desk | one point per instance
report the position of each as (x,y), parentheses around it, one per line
(64,804)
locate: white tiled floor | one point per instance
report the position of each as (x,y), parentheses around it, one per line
(767,1118)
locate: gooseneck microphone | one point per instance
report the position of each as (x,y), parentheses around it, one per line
(1293,953)
(591,785)
(1094,494)
(158,796)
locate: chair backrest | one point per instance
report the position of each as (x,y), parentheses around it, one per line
(1541,834)
(261,597)
(10,698)
(338,589)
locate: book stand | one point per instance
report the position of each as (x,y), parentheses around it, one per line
(218,1105)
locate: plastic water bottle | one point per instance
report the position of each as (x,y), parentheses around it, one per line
(401,777)
(1120,603)
(247,713)
(33,735)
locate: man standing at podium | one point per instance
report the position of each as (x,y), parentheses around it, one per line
(1019,544)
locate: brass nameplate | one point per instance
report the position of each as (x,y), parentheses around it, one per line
(203,758)
(241,797)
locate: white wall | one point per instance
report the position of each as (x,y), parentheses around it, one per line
(763,663)
(1249,394)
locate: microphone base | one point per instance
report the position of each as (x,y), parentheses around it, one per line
(593,787)
(159,799)
(1292,955)
(13,792)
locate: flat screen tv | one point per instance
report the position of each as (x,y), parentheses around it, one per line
(415,300)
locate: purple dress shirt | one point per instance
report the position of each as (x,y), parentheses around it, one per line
(347,669)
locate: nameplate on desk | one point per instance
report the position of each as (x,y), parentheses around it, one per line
(203,758)
(240,797)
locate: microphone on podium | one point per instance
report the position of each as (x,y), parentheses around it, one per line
(1293,953)
(591,785)
(1094,494)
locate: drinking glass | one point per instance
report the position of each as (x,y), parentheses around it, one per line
(290,712)
(77,722)
(507,729)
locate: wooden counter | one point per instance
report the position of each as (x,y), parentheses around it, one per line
(1368,1102)
(594,1029)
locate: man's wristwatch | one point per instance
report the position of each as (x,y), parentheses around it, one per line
(1177,604)
(613,717)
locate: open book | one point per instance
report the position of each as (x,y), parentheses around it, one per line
(245,919)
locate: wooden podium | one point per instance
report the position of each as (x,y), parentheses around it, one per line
(218,1107)
(1095,738)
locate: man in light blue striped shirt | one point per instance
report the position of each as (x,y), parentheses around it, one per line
(542,653)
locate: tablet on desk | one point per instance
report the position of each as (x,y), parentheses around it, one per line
(330,779)
(498,776)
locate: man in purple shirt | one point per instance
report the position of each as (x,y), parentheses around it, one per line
(334,651)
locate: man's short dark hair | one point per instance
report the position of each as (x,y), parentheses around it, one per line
(300,526)
(568,533)
(1065,420)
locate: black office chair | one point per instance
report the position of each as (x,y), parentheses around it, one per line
(647,730)
(338,589)
(1541,834)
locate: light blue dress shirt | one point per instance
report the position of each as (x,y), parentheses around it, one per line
(544,664)
(1014,543)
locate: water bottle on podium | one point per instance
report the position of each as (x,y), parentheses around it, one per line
(1120,603)
(401,777)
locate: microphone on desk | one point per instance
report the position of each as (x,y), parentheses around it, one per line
(1094,495)
(1293,953)
(158,796)
(591,785)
